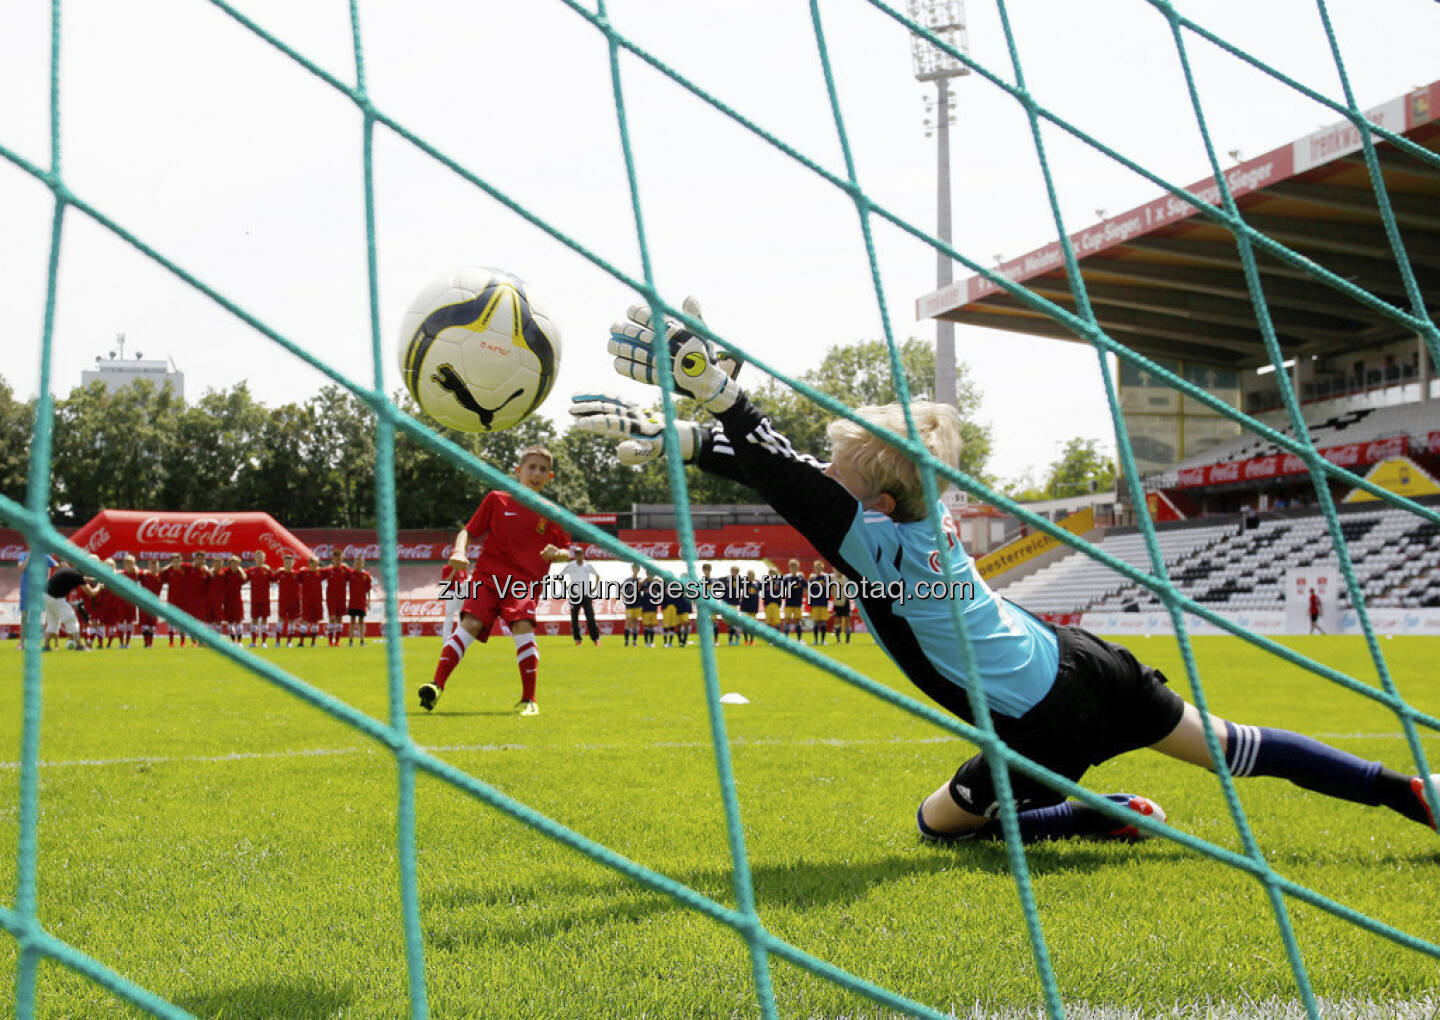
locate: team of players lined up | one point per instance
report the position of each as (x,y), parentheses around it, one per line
(309,597)
(783,601)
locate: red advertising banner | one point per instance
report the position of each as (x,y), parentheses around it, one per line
(150,534)
(1433,443)
(428,546)
(1279,465)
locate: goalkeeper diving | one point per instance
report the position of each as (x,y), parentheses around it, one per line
(1059,695)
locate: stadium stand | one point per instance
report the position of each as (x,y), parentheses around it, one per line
(1396,557)
(1359,425)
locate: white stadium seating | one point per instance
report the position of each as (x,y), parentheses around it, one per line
(1396,556)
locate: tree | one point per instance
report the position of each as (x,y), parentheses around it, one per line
(1080,469)
(115,449)
(858,375)
(342,446)
(16,422)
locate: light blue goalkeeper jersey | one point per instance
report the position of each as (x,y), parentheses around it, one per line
(896,571)
(1017,654)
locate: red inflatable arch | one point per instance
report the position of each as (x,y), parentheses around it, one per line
(151,534)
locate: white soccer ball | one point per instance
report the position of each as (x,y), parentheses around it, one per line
(478,351)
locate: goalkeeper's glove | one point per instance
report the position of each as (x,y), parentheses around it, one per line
(697,369)
(641,432)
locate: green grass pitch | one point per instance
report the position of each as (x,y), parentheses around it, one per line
(216,841)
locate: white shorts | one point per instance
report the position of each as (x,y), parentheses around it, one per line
(60,613)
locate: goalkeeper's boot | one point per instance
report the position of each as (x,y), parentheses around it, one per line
(429,694)
(528,708)
(1140,805)
(1418,785)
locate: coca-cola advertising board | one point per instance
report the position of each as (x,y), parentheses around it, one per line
(150,534)
(1277,465)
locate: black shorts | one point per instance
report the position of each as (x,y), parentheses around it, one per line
(355,614)
(1104,703)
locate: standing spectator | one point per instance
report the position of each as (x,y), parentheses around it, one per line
(1315,613)
(312,598)
(582,584)
(125,610)
(152,581)
(750,601)
(358,601)
(633,597)
(337,583)
(233,590)
(287,598)
(260,577)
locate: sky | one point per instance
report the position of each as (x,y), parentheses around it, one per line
(243,168)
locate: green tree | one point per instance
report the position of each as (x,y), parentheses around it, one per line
(16,421)
(114,450)
(1080,469)
(858,375)
(342,448)
(215,444)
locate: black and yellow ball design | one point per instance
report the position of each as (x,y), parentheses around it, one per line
(477,351)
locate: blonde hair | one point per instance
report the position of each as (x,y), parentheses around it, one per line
(887,469)
(535,451)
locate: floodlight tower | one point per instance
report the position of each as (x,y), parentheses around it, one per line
(946,21)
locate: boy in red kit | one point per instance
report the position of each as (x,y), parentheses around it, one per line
(312,599)
(215,594)
(287,594)
(337,580)
(125,610)
(260,577)
(234,587)
(152,581)
(517,548)
(358,601)
(176,579)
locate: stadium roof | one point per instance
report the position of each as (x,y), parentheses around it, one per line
(1168,282)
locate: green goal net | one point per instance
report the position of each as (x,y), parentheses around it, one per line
(23,920)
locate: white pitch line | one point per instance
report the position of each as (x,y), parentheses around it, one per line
(327,752)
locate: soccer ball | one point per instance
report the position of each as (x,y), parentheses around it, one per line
(478,351)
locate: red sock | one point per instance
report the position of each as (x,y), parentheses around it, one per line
(527,657)
(451,655)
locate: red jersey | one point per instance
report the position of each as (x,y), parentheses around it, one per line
(1314,604)
(311,591)
(260,578)
(214,586)
(151,583)
(125,609)
(359,589)
(177,584)
(337,577)
(233,584)
(514,536)
(287,592)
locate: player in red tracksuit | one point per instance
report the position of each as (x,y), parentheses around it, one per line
(519,546)
(260,577)
(312,599)
(106,615)
(125,610)
(232,587)
(337,581)
(287,597)
(358,599)
(177,579)
(215,594)
(152,581)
